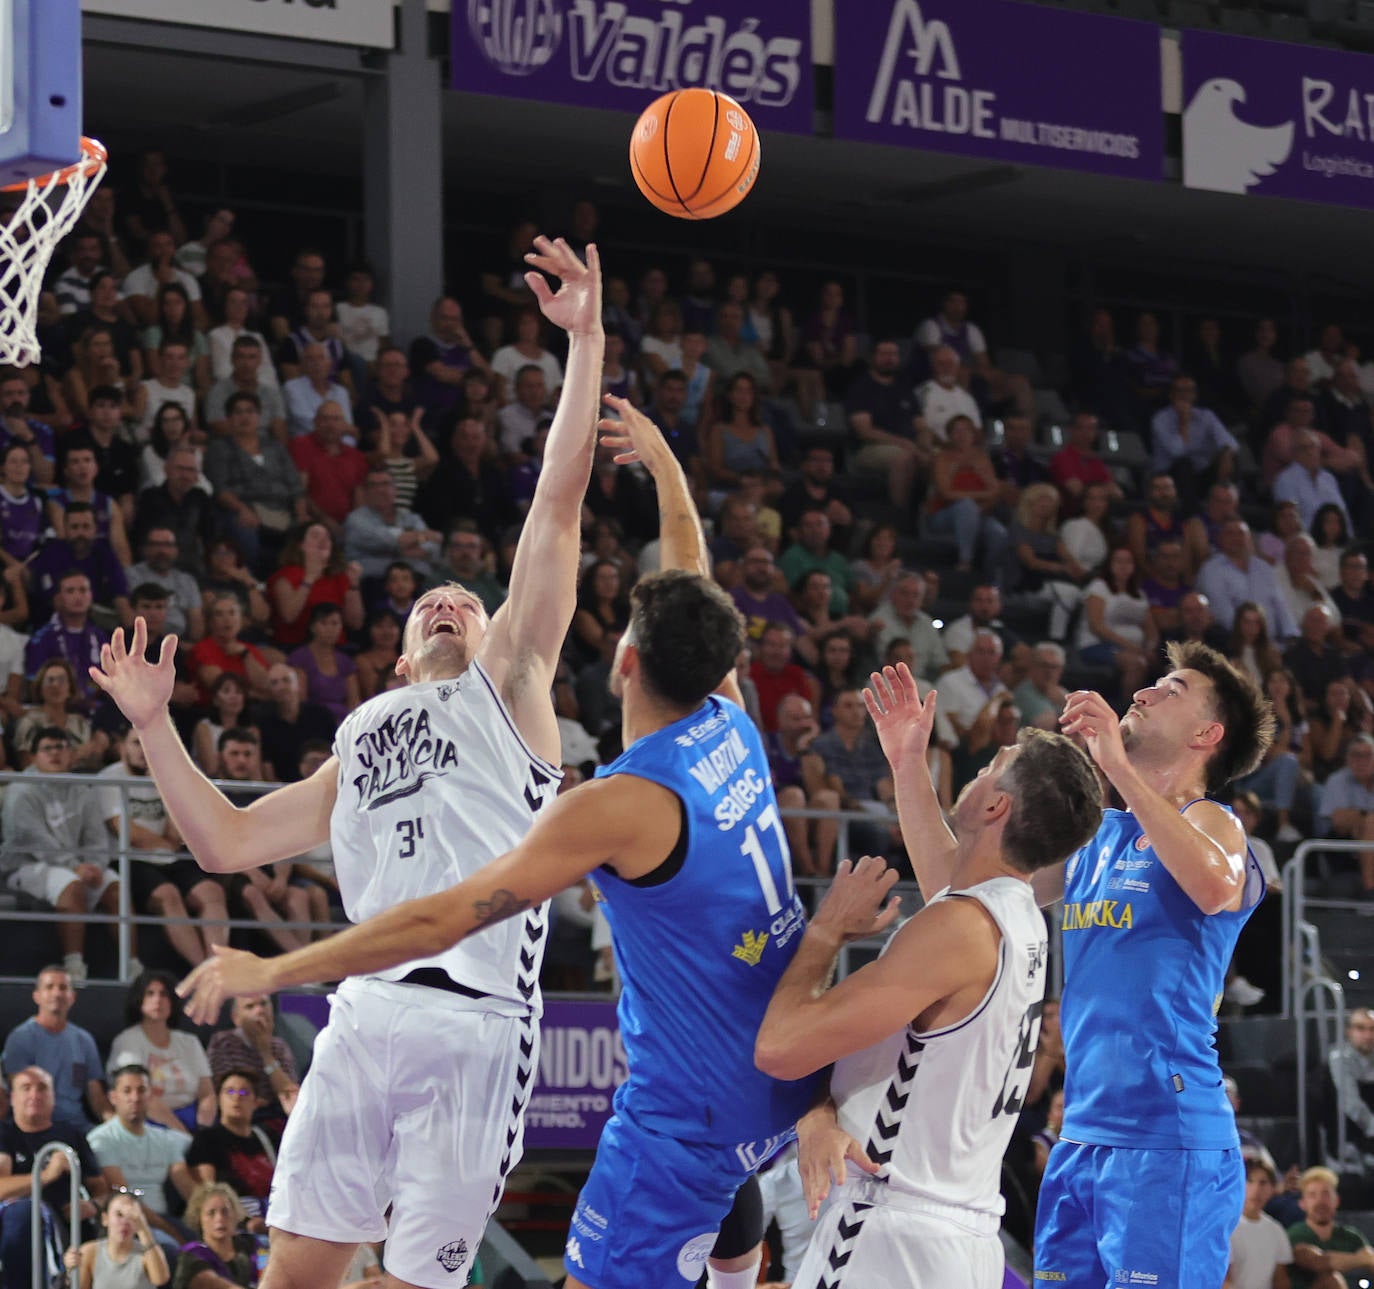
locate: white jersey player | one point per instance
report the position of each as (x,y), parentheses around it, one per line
(933,1043)
(417,1091)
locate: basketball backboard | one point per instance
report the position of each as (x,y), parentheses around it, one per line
(40,87)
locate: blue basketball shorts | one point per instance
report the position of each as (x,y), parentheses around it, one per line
(652,1207)
(1110,1217)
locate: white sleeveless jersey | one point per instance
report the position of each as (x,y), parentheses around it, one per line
(434,782)
(937,1110)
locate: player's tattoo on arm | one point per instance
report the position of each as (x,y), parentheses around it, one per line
(502,905)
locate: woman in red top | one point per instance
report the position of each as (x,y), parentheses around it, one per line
(312,572)
(962,495)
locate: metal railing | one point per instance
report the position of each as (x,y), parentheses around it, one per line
(1328,1020)
(1301,943)
(1311,998)
(46,1152)
(122,853)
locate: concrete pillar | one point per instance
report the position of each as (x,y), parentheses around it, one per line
(403,175)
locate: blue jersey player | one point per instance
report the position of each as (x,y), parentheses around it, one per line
(1147,1183)
(683,839)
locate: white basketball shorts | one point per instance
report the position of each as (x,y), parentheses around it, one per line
(415,1099)
(878,1246)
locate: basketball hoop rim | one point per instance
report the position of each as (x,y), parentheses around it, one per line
(94,155)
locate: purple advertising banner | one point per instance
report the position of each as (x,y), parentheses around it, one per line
(581,1063)
(1278,120)
(622,54)
(993,78)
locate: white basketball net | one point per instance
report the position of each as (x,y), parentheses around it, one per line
(45,210)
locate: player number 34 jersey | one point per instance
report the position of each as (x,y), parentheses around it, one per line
(434,782)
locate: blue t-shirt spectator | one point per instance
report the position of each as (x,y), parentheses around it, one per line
(69,1055)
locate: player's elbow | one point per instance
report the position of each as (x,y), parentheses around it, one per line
(778,1056)
(1219,893)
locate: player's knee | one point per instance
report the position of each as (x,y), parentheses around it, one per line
(166,901)
(207,898)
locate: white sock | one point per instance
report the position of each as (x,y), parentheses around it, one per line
(745,1279)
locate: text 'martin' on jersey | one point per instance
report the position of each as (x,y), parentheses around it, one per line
(701,945)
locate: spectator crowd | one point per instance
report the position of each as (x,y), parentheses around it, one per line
(176,1143)
(268,475)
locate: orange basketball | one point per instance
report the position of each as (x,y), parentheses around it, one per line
(694,153)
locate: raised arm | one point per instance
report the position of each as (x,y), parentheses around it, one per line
(522,645)
(223,837)
(1203,847)
(904,724)
(626,822)
(682,543)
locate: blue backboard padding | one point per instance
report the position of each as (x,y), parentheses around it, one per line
(46,131)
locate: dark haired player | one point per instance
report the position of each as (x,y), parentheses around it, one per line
(684,841)
(1147,1183)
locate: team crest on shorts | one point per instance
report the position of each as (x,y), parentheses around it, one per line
(452,1256)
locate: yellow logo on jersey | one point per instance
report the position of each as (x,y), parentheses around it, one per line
(750,949)
(1105,913)
(1216,1003)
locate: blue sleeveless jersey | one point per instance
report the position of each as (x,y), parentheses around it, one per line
(1144,971)
(700,954)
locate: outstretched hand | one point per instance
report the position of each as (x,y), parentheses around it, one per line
(142,689)
(576,306)
(903,721)
(228,973)
(634,436)
(853,907)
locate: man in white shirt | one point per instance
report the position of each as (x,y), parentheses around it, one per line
(984,610)
(363,324)
(1259,1245)
(236,305)
(166,387)
(951,327)
(942,398)
(517,422)
(141,286)
(970,693)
